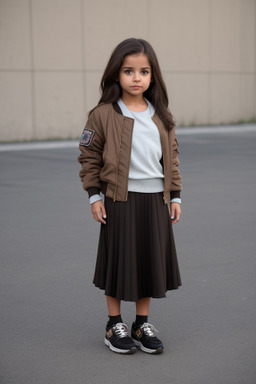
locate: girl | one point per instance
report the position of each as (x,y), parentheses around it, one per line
(129,152)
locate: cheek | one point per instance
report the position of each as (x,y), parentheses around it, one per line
(123,80)
(149,80)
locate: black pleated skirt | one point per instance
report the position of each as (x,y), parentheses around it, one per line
(136,251)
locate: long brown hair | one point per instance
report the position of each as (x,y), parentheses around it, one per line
(156,93)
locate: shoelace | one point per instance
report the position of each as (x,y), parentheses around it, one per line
(121,329)
(149,329)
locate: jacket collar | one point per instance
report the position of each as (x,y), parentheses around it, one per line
(117,108)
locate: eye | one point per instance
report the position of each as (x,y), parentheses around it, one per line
(145,72)
(127,71)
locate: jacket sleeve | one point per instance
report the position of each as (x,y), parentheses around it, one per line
(91,147)
(176,186)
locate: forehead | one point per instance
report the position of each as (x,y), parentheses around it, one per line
(137,60)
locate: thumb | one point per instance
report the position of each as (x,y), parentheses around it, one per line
(172,213)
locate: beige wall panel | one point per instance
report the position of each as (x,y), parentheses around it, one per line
(15,106)
(92,94)
(188,97)
(206,49)
(247,97)
(179,34)
(57,34)
(248,35)
(225,26)
(107,23)
(225,98)
(254,95)
(59,104)
(14,34)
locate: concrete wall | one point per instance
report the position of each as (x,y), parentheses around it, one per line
(53,52)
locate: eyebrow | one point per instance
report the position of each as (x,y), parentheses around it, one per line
(133,67)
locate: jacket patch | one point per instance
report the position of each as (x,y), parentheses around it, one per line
(86,137)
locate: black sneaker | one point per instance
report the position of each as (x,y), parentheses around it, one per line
(144,338)
(117,339)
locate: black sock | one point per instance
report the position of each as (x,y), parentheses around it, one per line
(140,320)
(114,320)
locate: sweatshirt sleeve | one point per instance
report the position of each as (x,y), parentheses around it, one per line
(91,147)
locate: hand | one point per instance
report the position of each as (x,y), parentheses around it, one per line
(175,212)
(98,211)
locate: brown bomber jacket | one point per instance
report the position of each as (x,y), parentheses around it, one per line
(106,149)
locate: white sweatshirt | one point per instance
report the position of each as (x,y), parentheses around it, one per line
(145,172)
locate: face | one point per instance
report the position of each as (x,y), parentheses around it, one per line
(135,75)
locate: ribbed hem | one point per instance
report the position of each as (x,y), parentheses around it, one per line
(151,186)
(146,185)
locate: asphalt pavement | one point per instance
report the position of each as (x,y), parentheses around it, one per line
(53,318)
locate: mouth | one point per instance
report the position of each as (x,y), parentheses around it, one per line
(136,87)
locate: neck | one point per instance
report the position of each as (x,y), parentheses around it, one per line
(135,104)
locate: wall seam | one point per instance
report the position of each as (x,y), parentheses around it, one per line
(83,56)
(240,61)
(194,72)
(254,114)
(209,112)
(32,62)
(148,21)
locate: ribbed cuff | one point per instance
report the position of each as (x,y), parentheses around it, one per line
(175,195)
(93,191)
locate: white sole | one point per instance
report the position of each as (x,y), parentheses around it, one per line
(117,350)
(147,350)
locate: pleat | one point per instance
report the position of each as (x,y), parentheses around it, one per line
(136,252)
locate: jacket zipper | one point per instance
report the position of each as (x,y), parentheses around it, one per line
(118,160)
(126,197)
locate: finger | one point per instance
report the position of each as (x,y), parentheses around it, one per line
(104,214)
(98,217)
(173,212)
(102,220)
(176,217)
(174,221)
(95,217)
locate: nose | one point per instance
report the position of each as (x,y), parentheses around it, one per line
(136,77)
